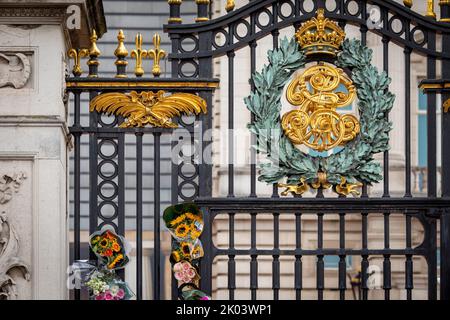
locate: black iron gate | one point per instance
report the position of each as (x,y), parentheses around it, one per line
(242,28)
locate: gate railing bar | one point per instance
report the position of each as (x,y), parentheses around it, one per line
(253,45)
(431,122)
(139,250)
(320,263)
(77,185)
(298,275)
(387,258)
(231,260)
(157,219)
(276,257)
(231,56)
(93,176)
(407,53)
(336,205)
(386,41)
(409,262)
(342,280)
(254,256)
(445,219)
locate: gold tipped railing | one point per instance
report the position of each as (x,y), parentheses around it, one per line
(76,55)
(121,53)
(408,3)
(138,54)
(230,5)
(156,54)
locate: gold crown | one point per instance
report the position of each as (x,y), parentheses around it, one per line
(320,35)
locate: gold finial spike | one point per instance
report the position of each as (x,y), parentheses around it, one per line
(121,53)
(430,9)
(230,5)
(76,55)
(94,53)
(94,50)
(408,3)
(138,54)
(156,54)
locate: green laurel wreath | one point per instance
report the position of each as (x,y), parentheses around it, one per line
(355,161)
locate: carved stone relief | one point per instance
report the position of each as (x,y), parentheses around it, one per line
(9,240)
(15,69)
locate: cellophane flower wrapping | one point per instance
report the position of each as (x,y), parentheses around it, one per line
(106,285)
(110,249)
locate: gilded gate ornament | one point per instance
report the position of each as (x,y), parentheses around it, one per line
(316,123)
(148,108)
(319,92)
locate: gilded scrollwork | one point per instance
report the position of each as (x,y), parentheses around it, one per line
(318,92)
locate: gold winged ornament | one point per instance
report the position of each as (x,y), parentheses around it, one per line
(148,108)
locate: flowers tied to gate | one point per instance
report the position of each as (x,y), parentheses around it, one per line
(184,272)
(105,285)
(184,221)
(109,247)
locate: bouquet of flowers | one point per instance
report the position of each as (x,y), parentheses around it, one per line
(185,223)
(109,247)
(106,286)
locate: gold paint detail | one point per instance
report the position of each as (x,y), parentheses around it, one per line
(76,55)
(316,123)
(444,20)
(94,51)
(230,5)
(345,188)
(174,1)
(320,35)
(202,1)
(121,52)
(296,189)
(446,106)
(322,182)
(430,9)
(175,20)
(435,86)
(444,2)
(143,84)
(201,19)
(138,54)
(148,108)
(408,3)
(156,54)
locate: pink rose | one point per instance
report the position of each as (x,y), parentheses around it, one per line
(186,266)
(120,294)
(205,298)
(101,296)
(108,296)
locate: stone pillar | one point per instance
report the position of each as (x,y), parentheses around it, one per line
(34,39)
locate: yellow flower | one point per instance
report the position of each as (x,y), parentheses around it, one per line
(176,256)
(182,230)
(191,216)
(185,249)
(195,233)
(177,220)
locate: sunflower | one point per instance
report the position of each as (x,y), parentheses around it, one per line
(176,256)
(103,243)
(195,233)
(182,230)
(197,252)
(191,216)
(185,249)
(177,220)
(95,239)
